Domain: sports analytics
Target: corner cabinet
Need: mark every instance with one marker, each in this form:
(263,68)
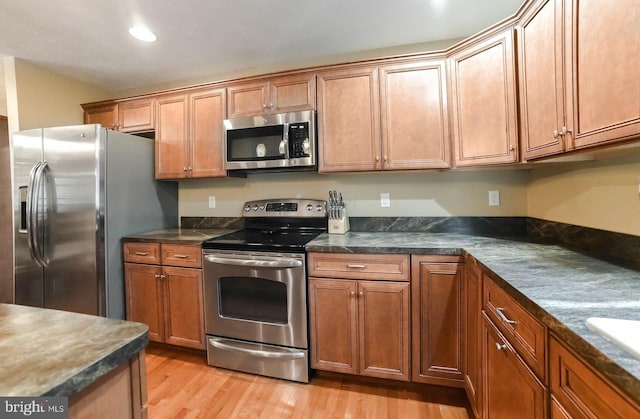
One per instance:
(163,289)
(482,81)
(359,314)
(436,293)
(189,134)
(290,93)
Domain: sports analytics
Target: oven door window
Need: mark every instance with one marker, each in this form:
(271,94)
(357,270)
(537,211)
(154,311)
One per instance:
(253,299)
(259,143)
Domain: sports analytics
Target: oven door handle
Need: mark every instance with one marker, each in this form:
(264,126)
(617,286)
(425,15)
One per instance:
(255,352)
(255,263)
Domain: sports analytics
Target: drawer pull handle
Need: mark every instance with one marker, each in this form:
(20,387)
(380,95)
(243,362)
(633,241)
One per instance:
(356,266)
(500,347)
(142,253)
(503,317)
(180,256)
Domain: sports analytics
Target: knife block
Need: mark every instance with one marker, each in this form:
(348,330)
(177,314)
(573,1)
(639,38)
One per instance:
(339,225)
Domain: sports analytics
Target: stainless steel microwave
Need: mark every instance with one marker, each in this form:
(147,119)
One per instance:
(279,141)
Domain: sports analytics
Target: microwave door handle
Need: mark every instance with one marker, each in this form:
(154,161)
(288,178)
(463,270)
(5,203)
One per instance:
(256,263)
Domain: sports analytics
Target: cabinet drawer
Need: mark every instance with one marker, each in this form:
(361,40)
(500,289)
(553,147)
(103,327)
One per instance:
(524,332)
(148,253)
(186,256)
(581,391)
(385,267)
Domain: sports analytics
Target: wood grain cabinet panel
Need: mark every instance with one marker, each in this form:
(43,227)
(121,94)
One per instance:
(189,134)
(167,297)
(483,102)
(359,326)
(148,253)
(580,392)
(136,115)
(384,267)
(281,94)
(414,116)
(511,390)
(526,334)
(541,78)
(471,329)
(349,120)
(105,114)
(437,324)
(602,75)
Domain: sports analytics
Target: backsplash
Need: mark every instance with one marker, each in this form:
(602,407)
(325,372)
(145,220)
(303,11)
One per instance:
(623,249)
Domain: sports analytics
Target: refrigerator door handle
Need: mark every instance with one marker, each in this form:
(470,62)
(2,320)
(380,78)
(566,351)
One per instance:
(36,248)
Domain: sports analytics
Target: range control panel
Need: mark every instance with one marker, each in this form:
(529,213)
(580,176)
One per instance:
(285,208)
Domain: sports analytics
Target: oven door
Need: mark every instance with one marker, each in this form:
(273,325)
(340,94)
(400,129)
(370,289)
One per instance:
(256,297)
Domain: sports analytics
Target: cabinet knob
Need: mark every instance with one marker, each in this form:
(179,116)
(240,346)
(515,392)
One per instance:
(361,294)
(352,293)
(512,148)
(565,131)
(556,134)
(500,346)
(157,276)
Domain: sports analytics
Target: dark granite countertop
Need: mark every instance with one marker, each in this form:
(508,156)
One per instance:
(561,287)
(184,236)
(58,353)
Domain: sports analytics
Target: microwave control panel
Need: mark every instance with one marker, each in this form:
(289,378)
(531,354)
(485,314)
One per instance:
(299,142)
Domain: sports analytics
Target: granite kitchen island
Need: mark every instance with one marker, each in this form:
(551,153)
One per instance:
(92,360)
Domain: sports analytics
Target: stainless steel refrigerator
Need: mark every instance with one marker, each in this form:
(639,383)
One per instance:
(77,191)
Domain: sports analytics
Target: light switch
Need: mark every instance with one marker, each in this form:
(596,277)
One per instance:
(212,202)
(385,200)
(494,198)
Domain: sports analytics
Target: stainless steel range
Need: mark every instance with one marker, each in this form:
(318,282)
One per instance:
(255,289)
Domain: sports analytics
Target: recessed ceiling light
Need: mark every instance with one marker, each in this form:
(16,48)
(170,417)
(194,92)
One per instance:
(142,33)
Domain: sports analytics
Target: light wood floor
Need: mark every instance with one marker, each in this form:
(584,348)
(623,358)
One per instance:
(182,385)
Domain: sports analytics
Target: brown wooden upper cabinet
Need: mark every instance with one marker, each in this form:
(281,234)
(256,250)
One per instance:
(136,115)
(281,94)
(383,118)
(189,134)
(483,102)
(590,55)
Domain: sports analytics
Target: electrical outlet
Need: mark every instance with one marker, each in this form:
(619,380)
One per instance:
(212,202)
(494,198)
(385,200)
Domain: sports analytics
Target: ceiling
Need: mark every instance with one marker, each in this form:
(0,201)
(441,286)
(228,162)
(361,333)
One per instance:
(208,40)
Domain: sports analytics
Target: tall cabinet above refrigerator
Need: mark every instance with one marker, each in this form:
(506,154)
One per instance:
(77,191)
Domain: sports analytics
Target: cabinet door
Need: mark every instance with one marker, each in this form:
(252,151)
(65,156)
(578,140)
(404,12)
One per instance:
(383,328)
(510,388)
(483,96)
(137,115)
(183,302)
(171,138)
(333,323)
(292,93)
(471,326)
(248,99)
(207,110)
(437,323)
(415,123)
(144,298)
(105,115)
(540,57)
(348,120)
(603,72)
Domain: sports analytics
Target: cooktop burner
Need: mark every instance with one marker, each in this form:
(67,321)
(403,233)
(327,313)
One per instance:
(282,225)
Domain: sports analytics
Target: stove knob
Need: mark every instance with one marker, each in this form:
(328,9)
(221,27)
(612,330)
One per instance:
(319,207)
(309,207)
(254,208)
(247,208)
(261,207)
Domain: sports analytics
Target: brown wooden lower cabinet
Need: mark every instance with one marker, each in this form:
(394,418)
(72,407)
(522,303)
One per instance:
(511,389)
(436,292)
(580,392)
(471,337)
(169,299)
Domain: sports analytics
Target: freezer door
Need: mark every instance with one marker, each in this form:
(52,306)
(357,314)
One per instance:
(72,216)
(27,153)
